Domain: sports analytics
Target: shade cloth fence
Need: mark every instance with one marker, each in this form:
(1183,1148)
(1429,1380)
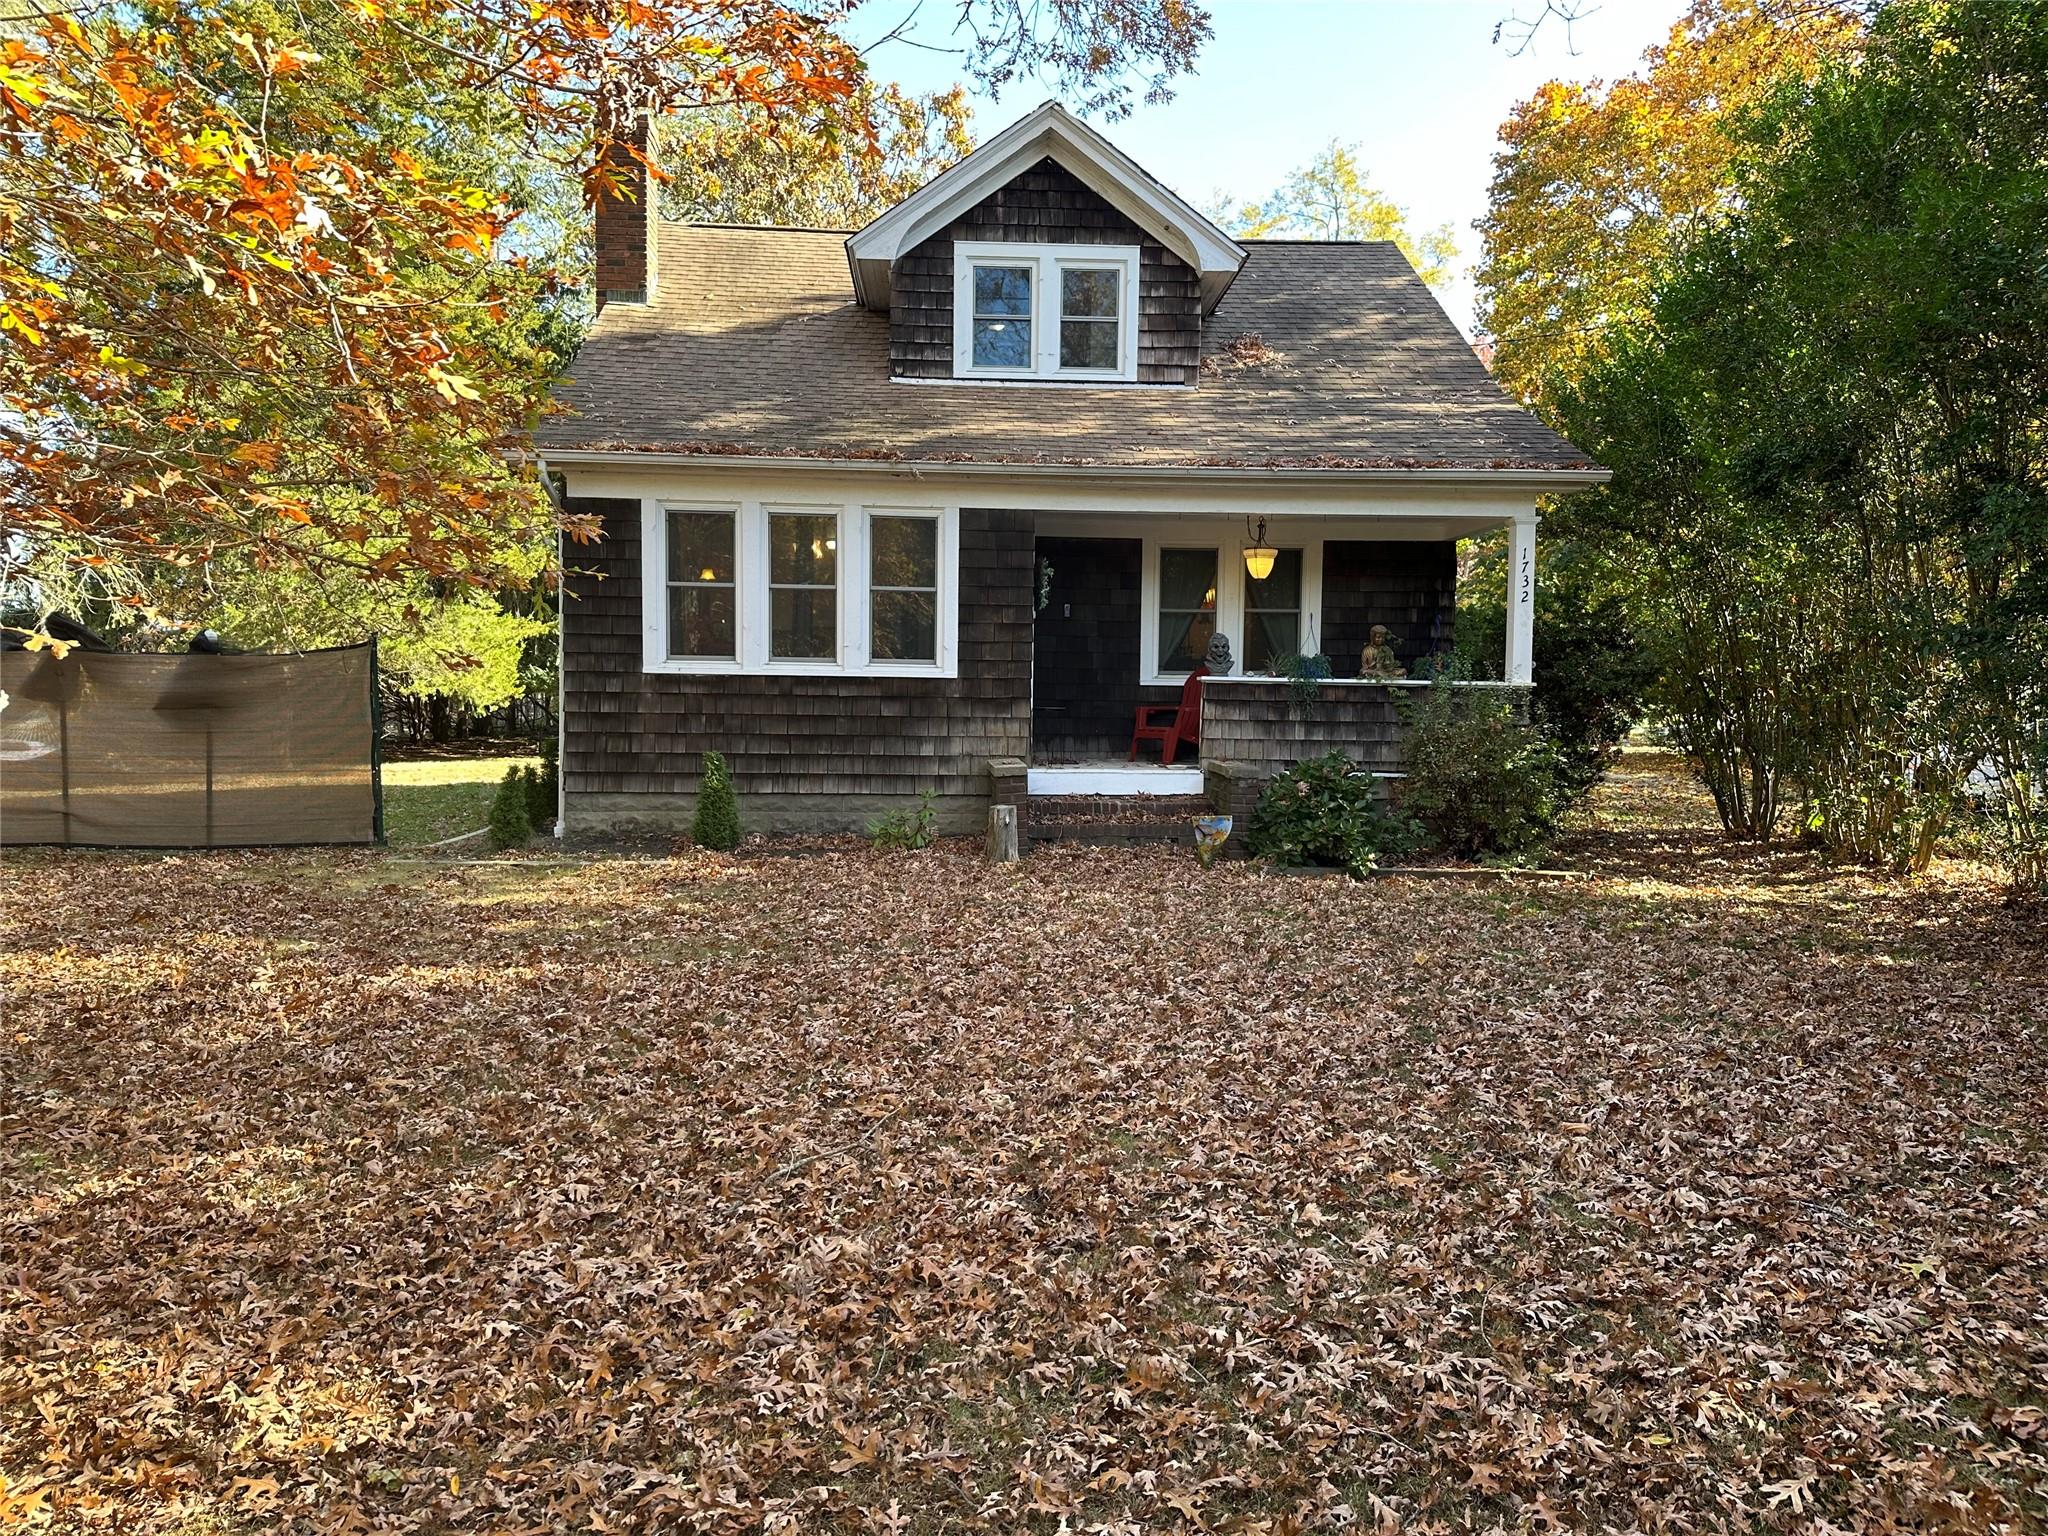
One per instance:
(189,751)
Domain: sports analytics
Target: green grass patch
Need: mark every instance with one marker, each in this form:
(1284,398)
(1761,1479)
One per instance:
(441,797)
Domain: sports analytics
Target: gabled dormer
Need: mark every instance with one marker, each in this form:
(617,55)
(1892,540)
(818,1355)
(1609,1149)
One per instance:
(1045,256)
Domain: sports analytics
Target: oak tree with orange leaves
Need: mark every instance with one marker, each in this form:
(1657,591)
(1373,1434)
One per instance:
(252,312)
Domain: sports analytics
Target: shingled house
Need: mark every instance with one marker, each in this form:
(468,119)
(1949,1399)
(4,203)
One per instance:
(916,507)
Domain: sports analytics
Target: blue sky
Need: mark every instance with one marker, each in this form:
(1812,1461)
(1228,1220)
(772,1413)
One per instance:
(1418,84)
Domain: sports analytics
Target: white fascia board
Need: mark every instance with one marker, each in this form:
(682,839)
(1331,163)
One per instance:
(1098,164)
(1539,480)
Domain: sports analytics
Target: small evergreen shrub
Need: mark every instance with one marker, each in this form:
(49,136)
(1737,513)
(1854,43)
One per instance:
(906,828)
(1481,780)
(509,825)
(540,803)
(717,823)
(1327,812)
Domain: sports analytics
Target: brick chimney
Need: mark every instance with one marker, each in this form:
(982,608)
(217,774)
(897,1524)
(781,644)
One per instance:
(626,248)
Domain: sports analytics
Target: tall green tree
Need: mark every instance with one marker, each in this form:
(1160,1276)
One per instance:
(1331,198)
(1595,185)
(1830,444)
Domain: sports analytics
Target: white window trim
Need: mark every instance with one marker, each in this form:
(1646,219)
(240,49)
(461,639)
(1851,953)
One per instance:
(1231,581)
(654,585)
(948,596)
(1045,263)
(752,604)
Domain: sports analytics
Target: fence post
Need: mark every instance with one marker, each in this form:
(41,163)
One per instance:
(376,750)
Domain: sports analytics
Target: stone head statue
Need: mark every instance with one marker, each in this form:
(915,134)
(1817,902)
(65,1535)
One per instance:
(1218,660)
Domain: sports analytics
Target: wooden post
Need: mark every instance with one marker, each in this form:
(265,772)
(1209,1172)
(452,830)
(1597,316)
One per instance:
(1002,834)
(1521,656)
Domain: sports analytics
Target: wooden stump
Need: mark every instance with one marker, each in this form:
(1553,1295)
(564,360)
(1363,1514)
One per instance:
(1002,834)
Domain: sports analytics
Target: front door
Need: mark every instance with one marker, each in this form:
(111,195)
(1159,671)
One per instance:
(1084,676)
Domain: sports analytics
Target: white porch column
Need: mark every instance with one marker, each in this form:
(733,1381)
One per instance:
(1521,656)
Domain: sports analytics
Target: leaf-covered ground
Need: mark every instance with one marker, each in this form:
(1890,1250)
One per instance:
(871,1192)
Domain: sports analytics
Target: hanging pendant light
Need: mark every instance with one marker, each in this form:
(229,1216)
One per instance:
(1258,555)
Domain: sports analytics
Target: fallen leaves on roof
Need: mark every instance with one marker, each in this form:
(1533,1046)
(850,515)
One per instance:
(695,447)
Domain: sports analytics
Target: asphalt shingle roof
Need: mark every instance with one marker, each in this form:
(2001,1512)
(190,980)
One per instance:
(754,346)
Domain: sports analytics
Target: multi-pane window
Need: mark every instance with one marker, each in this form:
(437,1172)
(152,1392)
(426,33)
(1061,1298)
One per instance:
(1002,317)
(903,587)
(1030,311)
(1272,613)
(1091,327)
(803,585)
(811,588)
(1187,607)
(702,615)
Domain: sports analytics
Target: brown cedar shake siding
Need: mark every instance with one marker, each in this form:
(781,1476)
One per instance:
(821,754)
(1046,204)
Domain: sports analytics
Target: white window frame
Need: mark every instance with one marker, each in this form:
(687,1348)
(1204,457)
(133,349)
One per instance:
(1231,581)
(753,605)
(1045,263)
(657,594)
(941,599)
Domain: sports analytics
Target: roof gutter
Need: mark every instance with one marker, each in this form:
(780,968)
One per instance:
(919,469)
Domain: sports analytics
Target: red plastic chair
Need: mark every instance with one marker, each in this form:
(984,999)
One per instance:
(1172,724)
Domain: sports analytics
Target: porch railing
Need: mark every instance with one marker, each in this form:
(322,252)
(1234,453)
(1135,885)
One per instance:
(1257,721)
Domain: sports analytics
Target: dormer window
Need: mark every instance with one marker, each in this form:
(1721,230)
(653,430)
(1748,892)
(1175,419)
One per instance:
(1045,312)
(1002,317)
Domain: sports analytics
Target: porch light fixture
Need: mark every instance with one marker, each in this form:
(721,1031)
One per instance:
(1258,555)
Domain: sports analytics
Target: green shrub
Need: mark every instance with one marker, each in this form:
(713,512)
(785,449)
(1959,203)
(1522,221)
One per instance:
(509,826)
(717,824)
(1593,672)
(906,828)
(1480,779)
(1327,812)
(540,803)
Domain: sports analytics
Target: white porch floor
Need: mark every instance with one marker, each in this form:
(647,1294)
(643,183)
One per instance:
(1114,778)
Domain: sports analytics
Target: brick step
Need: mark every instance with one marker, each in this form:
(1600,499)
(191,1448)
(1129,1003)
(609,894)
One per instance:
(1113,819)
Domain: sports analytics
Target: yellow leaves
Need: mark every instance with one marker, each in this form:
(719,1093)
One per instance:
(451,386)
(262,455)
(1595,182)
(19,88)
(20,320)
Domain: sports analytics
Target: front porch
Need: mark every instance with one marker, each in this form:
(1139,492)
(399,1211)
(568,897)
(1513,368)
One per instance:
(1128,608)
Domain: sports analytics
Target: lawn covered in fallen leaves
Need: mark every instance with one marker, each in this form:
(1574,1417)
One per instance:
(895,1192)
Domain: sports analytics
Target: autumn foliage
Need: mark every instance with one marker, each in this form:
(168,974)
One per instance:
(1595,184)
(859,1193)
(252,309)
(231,314)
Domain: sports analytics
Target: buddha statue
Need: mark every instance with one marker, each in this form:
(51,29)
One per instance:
(1378,658)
